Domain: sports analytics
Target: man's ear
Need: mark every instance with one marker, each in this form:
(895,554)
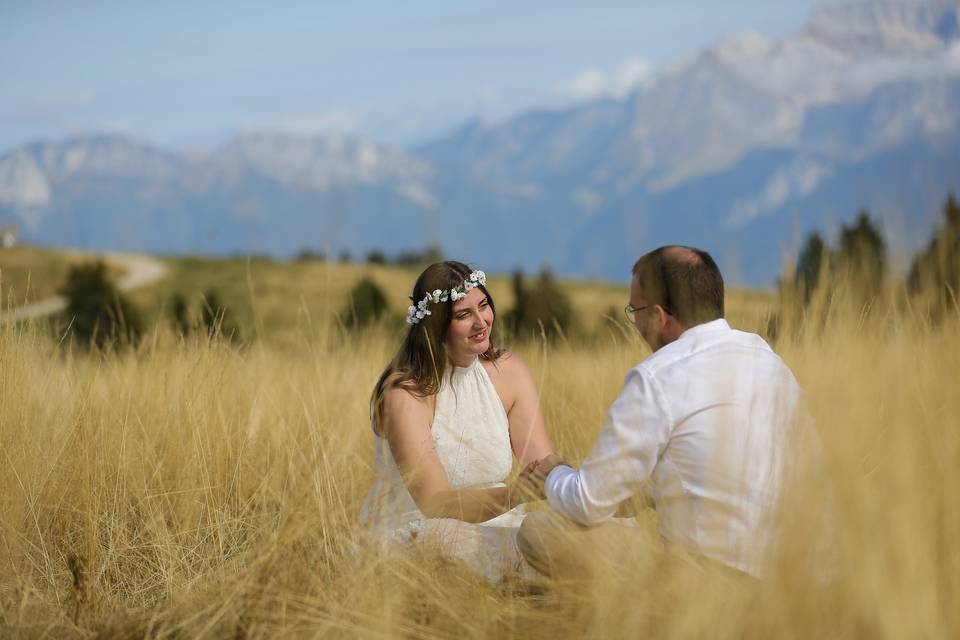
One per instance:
(662,316)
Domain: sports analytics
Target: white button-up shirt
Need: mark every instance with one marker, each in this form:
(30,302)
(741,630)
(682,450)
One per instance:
(702,425)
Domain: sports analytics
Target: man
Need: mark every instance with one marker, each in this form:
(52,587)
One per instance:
(702,426)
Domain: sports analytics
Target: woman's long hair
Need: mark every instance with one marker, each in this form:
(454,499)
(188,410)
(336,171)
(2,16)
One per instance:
(421,360)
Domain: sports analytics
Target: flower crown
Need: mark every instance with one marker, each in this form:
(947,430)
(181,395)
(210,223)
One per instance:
(419,312)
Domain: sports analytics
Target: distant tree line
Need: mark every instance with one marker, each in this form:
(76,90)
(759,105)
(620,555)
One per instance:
(860,257)
(99,317)
(404,258)
(934,277)
(859,265)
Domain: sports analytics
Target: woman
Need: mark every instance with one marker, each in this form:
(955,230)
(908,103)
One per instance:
(450,413)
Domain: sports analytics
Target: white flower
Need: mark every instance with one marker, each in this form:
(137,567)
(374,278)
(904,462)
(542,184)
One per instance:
(420,311)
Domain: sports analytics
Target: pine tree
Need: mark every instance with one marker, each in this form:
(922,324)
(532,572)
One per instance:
(180,314)
(545,307)
(935,272)
(97,314)
(366,305)
(862,255)
(810,264)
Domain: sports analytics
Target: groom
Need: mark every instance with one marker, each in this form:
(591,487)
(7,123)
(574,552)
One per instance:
(701,426)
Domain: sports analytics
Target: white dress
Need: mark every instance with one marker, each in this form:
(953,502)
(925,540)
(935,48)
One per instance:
(472,438)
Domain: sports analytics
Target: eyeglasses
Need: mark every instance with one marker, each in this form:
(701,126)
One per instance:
(631,310)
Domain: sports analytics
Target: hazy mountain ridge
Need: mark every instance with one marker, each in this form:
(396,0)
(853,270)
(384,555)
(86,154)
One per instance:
(742,94)
(737,149)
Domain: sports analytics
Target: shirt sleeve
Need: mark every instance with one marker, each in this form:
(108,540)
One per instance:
(637,429)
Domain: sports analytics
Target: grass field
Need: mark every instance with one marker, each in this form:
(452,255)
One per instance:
(198,489)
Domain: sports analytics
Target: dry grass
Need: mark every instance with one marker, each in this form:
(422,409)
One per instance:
(204,490)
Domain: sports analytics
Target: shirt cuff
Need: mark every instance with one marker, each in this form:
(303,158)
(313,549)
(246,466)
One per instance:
(554,478)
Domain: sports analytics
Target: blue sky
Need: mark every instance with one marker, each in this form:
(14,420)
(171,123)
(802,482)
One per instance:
(189,74)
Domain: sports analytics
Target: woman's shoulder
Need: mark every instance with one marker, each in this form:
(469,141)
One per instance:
(506,364)
(509,375)
(398,390)
(403,404)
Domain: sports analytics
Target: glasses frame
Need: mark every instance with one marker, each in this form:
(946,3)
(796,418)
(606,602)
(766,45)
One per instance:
(631,311)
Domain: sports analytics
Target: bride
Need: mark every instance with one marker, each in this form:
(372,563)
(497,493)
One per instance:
(450,413)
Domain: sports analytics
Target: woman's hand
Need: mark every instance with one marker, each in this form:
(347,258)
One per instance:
(528,487)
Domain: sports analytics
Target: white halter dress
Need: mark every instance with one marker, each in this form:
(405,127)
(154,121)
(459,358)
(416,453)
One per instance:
(472,438)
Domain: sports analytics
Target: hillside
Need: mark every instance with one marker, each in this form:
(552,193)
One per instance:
(282,302)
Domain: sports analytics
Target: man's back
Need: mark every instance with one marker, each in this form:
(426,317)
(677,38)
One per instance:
(702,426)
(731,403)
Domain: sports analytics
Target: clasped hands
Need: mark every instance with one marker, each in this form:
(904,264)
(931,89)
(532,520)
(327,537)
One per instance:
(529,485)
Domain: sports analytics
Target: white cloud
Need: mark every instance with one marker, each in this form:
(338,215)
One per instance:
(588,84)
(596,83)
(587,199)
(795,181)
(418,194)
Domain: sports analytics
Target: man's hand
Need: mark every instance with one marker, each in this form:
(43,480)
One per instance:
(546,464)
(542,469)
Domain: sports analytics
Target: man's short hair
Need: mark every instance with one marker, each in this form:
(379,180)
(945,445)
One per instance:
(685,281)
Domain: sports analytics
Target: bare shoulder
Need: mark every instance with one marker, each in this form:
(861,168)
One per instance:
(405,411)
(508,366)
(403,397)
(510,376)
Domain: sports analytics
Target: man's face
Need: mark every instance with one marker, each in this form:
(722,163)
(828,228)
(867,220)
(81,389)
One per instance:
(647,320)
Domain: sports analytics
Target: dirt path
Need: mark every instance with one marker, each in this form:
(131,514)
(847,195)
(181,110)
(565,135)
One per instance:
(140,270)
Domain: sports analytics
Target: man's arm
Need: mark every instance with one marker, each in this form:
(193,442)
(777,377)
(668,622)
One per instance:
(636,432)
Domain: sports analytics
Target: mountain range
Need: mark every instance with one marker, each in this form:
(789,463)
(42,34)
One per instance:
(739,149)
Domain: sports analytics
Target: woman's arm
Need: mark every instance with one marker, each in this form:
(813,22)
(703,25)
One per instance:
(528,432)
(407,420)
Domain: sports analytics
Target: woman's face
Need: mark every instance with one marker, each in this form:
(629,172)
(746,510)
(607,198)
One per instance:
(469,333)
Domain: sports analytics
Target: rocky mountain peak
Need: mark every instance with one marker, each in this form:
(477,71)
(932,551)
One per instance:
(888,27)
(319,162)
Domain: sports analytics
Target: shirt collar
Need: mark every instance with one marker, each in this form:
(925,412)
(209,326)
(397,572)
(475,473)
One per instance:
(720,324)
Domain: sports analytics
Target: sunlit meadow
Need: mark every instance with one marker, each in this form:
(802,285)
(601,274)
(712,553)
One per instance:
(197,488)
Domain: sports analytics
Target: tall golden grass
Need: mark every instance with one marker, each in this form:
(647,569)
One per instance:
(199,489)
